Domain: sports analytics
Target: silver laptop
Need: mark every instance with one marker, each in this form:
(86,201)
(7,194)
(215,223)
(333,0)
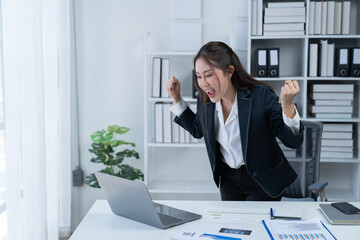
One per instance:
(131,199)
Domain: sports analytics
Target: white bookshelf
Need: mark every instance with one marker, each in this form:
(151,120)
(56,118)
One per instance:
(343,175)
(182,170)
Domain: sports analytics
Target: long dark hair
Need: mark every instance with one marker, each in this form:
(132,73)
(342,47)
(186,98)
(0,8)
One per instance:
(219,55)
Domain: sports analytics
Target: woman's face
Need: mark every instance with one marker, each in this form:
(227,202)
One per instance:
(213,81)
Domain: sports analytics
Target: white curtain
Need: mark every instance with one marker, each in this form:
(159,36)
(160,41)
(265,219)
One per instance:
(37,116)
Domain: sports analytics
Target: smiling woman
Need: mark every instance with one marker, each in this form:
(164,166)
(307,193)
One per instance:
(240,118)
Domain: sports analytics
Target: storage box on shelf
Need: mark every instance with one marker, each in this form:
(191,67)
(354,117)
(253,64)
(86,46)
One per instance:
(342,173)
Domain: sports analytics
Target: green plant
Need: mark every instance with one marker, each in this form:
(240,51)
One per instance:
(104,147)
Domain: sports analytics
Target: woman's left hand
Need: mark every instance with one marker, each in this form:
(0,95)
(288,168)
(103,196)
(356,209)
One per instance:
(288,92)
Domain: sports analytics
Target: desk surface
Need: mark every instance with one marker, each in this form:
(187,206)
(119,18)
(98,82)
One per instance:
(101,223)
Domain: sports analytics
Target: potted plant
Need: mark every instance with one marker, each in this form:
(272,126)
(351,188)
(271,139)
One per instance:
(104,146)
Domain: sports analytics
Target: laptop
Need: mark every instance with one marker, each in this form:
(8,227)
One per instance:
(131,199)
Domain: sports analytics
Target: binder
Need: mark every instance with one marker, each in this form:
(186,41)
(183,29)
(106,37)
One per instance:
(342,62)
(355,62)
(159,135)
(261,62)
(195,92)
(273,63)
(165,76)
(313,60)
(156,77)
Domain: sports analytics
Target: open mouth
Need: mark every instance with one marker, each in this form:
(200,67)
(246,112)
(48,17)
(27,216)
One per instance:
(210,93)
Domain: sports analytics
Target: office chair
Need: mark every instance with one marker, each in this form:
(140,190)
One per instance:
(307,186)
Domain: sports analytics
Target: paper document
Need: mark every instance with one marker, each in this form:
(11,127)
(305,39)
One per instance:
(218,231)
(293,229)
(231,215)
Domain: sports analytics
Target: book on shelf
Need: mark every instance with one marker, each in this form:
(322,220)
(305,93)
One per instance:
(330,59)
(329,17)
(311,17)
(345,28)
(326,154)
(333,102)
(257,17)
(332,96)
(338,127)
(323,57)
(175,130)
(323,17)
(268,27)
(285,4)
(338,149)
(337,18)
(165,76)
(317,18)
(289,11)
(333,115)
(313,60)
(159,123)
(156,77)
(284,19)
(337,135)
(331,109)
(337,143)
(336,88)
(284,33)
(166,123)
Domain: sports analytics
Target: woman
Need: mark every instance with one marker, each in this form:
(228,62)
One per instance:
(239,118)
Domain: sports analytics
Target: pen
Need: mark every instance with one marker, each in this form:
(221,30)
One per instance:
(271,213)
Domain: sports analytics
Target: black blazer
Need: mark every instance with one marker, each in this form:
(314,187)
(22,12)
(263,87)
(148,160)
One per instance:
(260,120)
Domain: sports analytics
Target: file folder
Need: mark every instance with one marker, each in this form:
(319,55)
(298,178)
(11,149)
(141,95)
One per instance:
(355,62)
(195,86)
(342,62)
(273,63)
(261,63)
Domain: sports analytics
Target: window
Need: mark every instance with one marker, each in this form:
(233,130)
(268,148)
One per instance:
(3,216)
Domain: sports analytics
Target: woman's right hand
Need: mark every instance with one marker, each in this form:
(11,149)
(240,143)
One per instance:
(173,88)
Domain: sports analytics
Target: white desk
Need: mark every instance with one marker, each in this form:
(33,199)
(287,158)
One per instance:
(101,224)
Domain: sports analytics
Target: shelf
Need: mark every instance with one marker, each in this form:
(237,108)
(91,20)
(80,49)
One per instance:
(169,145)
(284,78)
(333,79)
(339,160)
(355,120)
(338,195)
(182,187)
(334,36)
(154,53)
(277,37)
(169,100)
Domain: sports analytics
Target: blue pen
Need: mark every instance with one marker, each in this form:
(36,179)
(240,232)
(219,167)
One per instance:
(271,213)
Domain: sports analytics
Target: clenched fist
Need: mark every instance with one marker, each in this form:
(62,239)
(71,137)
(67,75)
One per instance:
(173,88)
(288,92)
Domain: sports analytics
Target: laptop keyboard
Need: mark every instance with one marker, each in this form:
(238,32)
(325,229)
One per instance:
(167,220)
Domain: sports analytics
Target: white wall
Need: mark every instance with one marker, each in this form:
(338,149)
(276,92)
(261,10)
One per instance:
(110,60)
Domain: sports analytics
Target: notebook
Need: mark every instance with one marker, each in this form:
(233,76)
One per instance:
(131,199)
(334,216)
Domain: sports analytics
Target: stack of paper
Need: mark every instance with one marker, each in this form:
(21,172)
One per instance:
(332,100)
(337,140)
(329,17)
(284,19)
